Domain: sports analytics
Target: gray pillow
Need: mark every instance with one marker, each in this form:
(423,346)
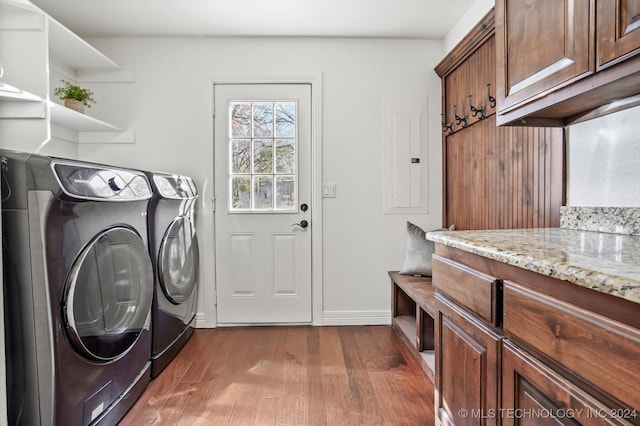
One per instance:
(417,258)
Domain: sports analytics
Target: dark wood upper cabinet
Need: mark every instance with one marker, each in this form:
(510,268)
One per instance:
(618,36)
(541,45)
(564,61)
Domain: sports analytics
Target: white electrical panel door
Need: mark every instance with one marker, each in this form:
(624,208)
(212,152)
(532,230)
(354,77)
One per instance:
(405,156)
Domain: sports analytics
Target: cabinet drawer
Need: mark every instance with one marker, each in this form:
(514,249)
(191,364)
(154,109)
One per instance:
(602,352)
(473,289)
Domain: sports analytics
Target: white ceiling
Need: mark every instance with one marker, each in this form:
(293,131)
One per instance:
(422,19)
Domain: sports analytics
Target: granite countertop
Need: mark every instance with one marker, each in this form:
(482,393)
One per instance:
(609,263)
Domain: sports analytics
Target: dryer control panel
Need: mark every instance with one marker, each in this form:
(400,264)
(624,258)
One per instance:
(88,182)
(175,186)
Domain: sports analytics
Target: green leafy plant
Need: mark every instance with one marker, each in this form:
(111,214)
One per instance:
(73,91)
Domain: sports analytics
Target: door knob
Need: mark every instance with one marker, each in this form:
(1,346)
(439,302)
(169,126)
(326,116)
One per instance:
(302,224)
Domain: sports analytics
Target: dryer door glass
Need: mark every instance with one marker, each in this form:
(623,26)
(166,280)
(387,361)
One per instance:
(108,295)
(178,260)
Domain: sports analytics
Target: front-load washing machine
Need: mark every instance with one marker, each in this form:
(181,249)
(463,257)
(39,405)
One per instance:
(174,251)
(78,287)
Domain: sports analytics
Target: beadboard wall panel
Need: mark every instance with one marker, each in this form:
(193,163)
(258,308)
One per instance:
(493,177)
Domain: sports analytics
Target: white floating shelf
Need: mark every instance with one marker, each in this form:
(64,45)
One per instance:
(19,109)
(16,103)
(70,49)
(68,55)
(72,126)
(66,117)
(9,92)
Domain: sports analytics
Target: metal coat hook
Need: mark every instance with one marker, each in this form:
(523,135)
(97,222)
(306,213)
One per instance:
(464,120)
(492,100)
(446,126)
(475,111)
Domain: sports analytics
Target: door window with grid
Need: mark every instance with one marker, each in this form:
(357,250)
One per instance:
(262,156)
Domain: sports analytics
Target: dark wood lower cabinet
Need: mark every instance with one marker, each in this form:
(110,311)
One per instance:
(553,355)
(467,367)
(535,394)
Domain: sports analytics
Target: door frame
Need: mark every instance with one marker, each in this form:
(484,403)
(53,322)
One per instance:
(315,80)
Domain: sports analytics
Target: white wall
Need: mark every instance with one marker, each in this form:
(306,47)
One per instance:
(169,108)
(603,159)
(467,21)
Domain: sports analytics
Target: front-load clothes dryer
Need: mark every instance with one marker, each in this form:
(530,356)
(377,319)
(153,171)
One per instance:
(78,287)
(174,250)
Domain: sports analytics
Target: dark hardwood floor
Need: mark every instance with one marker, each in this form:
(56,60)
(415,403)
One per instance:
(361,375)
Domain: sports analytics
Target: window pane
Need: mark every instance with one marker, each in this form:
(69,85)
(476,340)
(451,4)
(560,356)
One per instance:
(263,156)
(240,192)
(285,193)
(263,192)
(262,120)
(285,119)
(240,120)
(241,156)
(285,156)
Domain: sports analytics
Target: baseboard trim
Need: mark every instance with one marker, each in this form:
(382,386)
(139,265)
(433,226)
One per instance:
(328,318)
(356,317)
(200,321)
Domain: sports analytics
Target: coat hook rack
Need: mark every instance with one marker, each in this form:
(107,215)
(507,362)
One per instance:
(446,126)
(492,100)
(464,120)
(475,111)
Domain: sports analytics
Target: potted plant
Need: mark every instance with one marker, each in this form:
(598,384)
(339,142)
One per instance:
(74,96)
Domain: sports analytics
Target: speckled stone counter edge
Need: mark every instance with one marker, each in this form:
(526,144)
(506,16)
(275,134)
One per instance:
(615,220)
(532,252)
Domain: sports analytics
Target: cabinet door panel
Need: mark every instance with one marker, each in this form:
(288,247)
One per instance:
(460,385)
(467,366)
(541,45)
(531,388)
(618,23)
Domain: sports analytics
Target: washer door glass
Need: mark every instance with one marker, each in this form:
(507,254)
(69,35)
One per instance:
(178,260)
(108,295)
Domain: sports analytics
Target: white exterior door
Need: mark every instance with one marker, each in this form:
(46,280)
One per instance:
(263,203)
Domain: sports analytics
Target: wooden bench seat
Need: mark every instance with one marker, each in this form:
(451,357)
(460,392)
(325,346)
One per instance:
(413,311)
(419,289)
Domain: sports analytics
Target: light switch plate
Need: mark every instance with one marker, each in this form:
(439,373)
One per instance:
(329,190)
